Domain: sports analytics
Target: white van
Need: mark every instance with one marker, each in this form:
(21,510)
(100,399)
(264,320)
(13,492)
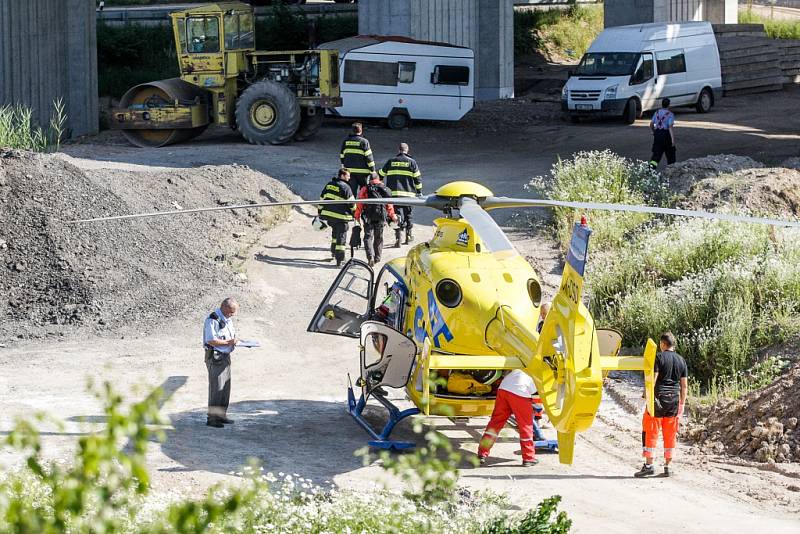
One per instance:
(400,79)
(629,69)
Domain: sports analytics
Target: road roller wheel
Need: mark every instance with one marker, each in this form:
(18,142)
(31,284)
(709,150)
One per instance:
(267,112)
(309,124)
(151,94)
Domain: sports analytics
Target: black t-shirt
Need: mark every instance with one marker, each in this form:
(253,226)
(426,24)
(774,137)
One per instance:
(671,367)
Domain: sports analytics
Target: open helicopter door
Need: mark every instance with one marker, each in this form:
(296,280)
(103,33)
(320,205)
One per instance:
(387,357)
(347,303)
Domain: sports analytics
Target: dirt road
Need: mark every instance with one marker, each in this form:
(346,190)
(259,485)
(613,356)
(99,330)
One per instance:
(288,395)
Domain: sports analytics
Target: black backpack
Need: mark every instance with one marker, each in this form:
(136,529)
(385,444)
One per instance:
(375,213)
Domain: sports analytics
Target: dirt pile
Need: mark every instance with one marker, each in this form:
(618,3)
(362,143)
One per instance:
(764,191)
(762,425)
(56,276)
(685,174)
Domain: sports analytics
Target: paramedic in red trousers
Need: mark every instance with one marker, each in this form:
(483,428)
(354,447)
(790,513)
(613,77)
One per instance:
(663,127)
(670,398)
(373,217)
(356,157)
(338,216)
(404,179)
(514,396)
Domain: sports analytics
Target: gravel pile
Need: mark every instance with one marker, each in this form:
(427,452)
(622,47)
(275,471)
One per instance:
(683,175)
(773,191)
(762,425)
(55,277)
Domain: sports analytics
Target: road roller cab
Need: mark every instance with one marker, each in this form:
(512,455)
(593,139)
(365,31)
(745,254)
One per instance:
(269,96)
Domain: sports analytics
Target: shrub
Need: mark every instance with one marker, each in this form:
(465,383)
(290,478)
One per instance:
(105,490)
(566,32)
(18,129)
(777,29)
(725,290)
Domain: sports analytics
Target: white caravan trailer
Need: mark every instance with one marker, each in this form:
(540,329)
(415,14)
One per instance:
(629,69)
(402,79)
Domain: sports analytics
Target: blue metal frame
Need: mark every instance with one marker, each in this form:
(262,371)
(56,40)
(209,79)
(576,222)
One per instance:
(379,441)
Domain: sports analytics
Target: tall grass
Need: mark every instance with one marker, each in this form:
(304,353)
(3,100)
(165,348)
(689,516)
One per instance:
(18,128)
(775,28)
(565,32)
(726,290)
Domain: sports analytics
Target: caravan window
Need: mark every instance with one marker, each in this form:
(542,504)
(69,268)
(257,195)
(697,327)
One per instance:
(407,71)
(370,72)
(450,75)
(671,62)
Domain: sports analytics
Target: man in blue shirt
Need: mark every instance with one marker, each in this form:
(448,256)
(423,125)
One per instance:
(663,127)
(219,340)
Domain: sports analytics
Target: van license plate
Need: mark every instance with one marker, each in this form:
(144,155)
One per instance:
(584,106)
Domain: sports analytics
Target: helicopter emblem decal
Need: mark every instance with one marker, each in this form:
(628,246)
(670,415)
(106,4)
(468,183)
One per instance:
(438,325)
(463,239)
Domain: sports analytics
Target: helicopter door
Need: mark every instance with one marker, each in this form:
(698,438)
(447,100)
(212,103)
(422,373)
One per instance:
(387,356)
(347,303)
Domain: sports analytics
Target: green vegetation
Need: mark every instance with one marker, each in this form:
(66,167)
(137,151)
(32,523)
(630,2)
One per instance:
(775,28)
(561,32)
(105,489)
(725,290)
(133,54)
(18,129)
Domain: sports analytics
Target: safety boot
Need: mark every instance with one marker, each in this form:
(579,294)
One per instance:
(397,239)
(645,471)
(530,463)
(409,237)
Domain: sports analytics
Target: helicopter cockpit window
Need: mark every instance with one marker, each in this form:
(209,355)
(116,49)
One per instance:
(389,300)
(347,303)
(239,32)
(203,34)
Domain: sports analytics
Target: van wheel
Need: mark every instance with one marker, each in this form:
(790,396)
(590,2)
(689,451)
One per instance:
(631,111)
(398,120)
(704,101)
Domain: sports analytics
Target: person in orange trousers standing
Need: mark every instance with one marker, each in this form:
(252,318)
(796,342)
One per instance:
(670,397)
(514,396)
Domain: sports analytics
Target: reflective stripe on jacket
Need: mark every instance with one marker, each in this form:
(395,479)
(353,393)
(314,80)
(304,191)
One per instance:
(356,155)
(402,176)
(337,189)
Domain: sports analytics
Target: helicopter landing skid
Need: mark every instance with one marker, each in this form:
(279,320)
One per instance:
(380,441)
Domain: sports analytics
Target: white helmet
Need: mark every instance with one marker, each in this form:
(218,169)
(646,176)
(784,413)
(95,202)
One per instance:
(318,224)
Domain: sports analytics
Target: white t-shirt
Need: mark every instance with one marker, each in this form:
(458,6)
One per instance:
(519,383)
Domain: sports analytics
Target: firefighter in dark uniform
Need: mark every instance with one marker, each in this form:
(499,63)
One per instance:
(338,216)
(356,157)
(403,179)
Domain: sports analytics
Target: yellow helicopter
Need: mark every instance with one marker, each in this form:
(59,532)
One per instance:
(462,308)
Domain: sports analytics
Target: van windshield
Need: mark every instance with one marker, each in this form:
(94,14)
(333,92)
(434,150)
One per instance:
(607,64)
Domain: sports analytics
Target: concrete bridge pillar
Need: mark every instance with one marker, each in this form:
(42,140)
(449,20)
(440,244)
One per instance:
(623,12)
(48,50)
(486,26)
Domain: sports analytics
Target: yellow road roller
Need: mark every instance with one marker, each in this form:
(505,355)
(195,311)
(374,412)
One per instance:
(269,97)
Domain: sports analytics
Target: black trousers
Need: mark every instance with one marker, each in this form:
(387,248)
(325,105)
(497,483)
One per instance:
(219,384)
(405,219)
(358,180)
(373,240)
(338,239)
(662,144)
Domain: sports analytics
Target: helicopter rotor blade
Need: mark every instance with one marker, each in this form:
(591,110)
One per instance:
(505,202)
(395,201)
(491,235)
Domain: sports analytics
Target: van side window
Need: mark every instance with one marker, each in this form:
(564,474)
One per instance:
(370,72)
(644,71)
(407,71)
(450,75)
(670,62)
